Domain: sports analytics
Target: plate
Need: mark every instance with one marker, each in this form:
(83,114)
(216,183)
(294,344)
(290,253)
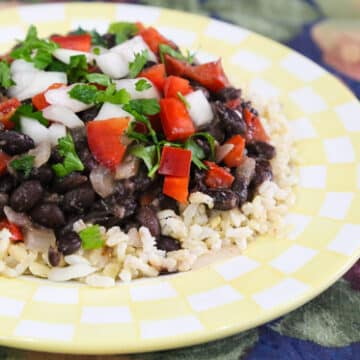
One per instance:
(273,276)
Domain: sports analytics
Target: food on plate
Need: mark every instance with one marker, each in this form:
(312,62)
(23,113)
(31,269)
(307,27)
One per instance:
(122,157)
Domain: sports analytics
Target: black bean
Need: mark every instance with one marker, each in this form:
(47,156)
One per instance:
(146,216)
(87,159)
(204,144)
(149,63)
(223,199)
(69,182)
(109,40)
(26,196)
(168,243)
(54,256)
(102,218)
(2,126)
(68,242)
(243,176)
(263,172)
(44,174)
(141,180)
(215,128)
(48,215)
(79,137)
(4,199)
(15,143)
(53,198)
(228,93)
(197,179)
(7,183)
(126,208)
(231,120)
(55,156)
(166,202)
(89,114)
(261,149)
(78,200)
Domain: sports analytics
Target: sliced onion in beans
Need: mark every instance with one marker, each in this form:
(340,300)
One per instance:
(102,181)
(64,55)
(62,115)
(31,127)
(109,111)
(16,218)
(56,131)
(129,86)
(42,153)
(39,239)
(222,151)
(113,64)
(128,168)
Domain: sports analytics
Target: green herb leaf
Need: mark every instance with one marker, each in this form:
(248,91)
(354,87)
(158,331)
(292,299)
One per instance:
(72,162)
(35,50)
(24,163)
(27,110)
(123,30)
(166,49)
(5,75)
(147,153)
(96,38)
(197,153)
(57,65)
(100,79)
(77,69)
(142,85)
(118,97)
(210,139)
(145,106)
(138,64)
(96,51)
(91,238)
(133,134)
(84,93)
(183,99)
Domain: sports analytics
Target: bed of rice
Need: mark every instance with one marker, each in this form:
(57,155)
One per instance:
(200,230)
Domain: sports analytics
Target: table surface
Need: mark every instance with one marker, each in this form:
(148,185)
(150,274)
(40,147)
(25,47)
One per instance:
(328,32)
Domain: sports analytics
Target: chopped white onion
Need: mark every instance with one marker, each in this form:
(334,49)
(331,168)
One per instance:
(56,131)
(39,238)
(21,65)
(129,48)
(64,55)
(102,181)
(31,127)
(222,151)
(42,153)
(19,219)
(199,108)
(129,167)
(129,86)
(62,115)
(109,111)
(61,97)
(113,64)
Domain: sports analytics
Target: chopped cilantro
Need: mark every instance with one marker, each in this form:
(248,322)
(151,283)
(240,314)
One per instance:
(144,106)
(84,93)
(91,237)
(166,49)
(77,69)
(123,31)
(149,155)
(183,99)
(138,64)
(100,79)
(27,110)
(5,75)
(142,85)
(24,164)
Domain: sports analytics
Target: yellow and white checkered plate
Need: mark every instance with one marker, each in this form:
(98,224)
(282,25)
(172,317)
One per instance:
(273,276)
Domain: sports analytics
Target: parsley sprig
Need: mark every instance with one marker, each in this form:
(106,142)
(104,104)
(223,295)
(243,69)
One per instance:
(138,64)
(167,49)
(123,31)
(5,75)
(24,164)
(27,110)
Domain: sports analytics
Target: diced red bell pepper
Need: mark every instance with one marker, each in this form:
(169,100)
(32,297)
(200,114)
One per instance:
(16,234)
(4,159)
(140,26)
(235,156)
(7,110)
(156,74)
(39,100)
(175,119)
(81,42)
(153,39)
(255,130)
(174,85)
(177,188)
(217,177)
(211,75)
(104,139)
(175,162)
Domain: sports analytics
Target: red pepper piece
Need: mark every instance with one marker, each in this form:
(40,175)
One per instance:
(104,139)
(156,74)
(174,85)
(81,42)
(16,234)
(39,100)
(235,157)
(7,110)
(4,159)
(175,119)
(211,75)
(176,188)
(153,39)
(255,130)
(175,162)
(217,177)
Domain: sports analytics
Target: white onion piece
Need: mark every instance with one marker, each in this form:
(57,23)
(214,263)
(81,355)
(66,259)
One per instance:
(70,272)
(127,168)
(56,131)
(62,115)
(39,239)
(109,111)
(31,127)
(61,97)
(222,151)
(102,181)
(113,64)
(129,86)
(42,153)
(64,55)
(19,219)
(129,48)
(199,108)
(21,65)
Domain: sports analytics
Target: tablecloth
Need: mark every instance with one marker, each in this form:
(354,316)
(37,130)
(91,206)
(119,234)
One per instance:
(328,32)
